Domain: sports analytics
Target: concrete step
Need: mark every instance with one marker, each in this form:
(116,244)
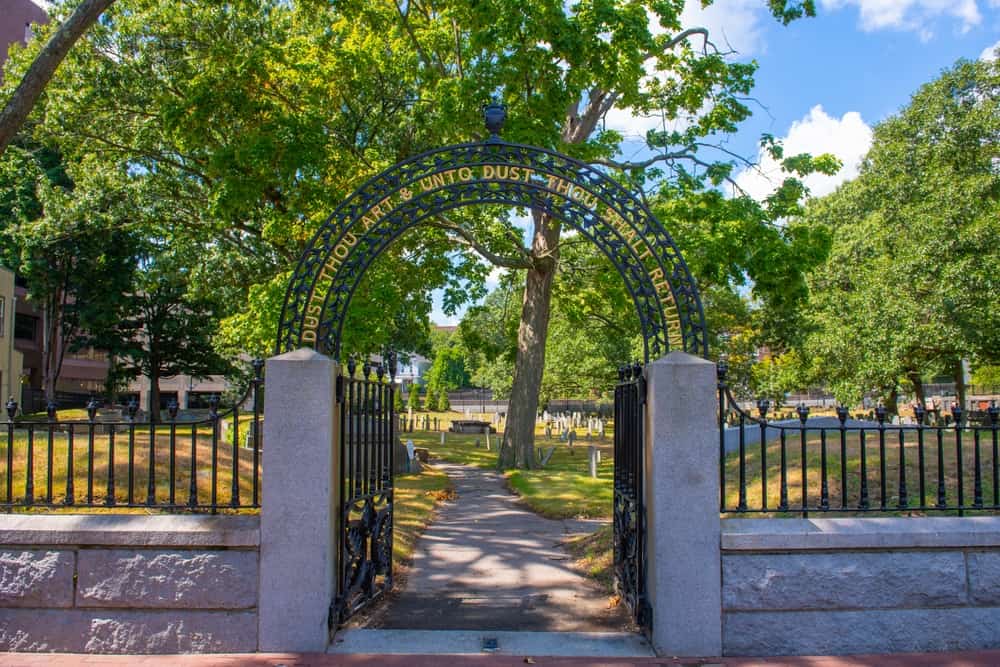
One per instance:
(473,642)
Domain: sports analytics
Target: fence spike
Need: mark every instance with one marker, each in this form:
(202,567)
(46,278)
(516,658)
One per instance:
(842,413)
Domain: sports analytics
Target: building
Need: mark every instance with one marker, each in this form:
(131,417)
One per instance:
(15,23)
(11,360)
(190,393)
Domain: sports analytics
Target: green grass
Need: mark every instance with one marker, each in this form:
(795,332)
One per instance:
(563,489)
(593,556)
(143,445)
(755,487)
(416,496)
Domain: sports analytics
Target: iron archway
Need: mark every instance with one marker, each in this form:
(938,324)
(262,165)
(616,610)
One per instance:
(493,172)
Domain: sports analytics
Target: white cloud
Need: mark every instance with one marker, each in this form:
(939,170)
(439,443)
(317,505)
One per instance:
(911,15)
(736,23)
(989,54)
(848,137)
(493,280)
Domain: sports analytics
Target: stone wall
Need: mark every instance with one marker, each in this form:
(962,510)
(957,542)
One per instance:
(870,585)
(128,583)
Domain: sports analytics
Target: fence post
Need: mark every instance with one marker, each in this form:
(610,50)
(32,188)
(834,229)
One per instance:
(684,581)
(299,507)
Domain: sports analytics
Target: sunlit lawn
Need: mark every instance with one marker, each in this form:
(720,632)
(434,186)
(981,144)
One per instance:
(594,556)
(911,469)
(189,453)
(562,489)
(416,495)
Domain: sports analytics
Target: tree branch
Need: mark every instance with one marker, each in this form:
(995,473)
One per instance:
(404,19)
(681,36)
(467,239)
(44,66)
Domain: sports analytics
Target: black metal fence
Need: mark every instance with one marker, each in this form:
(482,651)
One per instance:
(837,463)
(202,465)
(365,524)
(628,508)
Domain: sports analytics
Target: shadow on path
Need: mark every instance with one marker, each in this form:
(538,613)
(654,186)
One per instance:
(486,563)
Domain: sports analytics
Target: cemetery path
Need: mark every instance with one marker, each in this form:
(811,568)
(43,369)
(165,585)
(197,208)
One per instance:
(487,563)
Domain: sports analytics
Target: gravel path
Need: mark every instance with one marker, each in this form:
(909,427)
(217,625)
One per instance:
(487,563)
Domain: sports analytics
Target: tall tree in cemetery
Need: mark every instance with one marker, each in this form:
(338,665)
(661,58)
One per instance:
(162,328)
(910,287)
(68,237)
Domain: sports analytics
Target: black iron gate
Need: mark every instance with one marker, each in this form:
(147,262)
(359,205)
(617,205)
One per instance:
(629,509)
(364,526)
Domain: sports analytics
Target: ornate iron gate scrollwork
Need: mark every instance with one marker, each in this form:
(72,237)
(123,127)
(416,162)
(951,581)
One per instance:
(365,522)
(629,508)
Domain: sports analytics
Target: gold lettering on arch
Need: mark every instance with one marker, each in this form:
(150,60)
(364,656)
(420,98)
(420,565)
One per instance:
(493,173)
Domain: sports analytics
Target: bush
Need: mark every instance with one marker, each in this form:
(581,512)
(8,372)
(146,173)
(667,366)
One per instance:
(413,400)
(442,403)
(430,399)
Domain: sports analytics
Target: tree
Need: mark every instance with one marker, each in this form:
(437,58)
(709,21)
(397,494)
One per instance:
(238,137)
(908,289)
(68,236)
(162,329)
(44,65)
(398,405)
(447,371)
(443,405)
(413,398)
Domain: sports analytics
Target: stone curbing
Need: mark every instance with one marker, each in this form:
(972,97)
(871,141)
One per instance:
(128,583)
(837,586)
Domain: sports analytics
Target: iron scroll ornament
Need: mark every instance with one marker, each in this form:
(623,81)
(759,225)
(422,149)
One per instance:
(493,172)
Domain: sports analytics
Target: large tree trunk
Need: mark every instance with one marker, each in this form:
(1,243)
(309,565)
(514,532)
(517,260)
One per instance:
(154,393)
(53,343)
(918,387)
(518,447)
(44,66)
(959,375)
(892,401)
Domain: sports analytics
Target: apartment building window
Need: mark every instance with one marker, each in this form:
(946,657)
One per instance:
(25,327)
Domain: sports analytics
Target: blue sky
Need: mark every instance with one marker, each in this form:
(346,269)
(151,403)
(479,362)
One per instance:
(823,82)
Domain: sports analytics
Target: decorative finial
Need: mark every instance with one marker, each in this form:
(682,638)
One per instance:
(494,114)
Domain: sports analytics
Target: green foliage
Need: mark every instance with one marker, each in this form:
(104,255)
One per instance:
(987,376)
(397,401)
(447,372)
(160,328)
(909,288)
(443,404)
(776,376)
(413,397)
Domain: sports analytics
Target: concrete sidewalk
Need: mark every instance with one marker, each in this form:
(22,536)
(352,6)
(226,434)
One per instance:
(963,659)
(487,563)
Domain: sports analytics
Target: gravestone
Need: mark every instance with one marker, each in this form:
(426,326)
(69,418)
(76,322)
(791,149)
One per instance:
(548,432)
(442,437)
(595,458)
(571,440)
(413,465)
(547,456)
